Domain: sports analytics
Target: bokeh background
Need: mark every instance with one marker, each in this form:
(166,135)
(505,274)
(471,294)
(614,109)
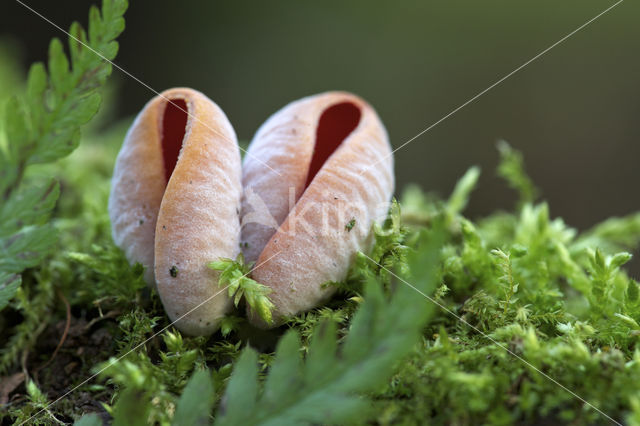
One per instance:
(574,113)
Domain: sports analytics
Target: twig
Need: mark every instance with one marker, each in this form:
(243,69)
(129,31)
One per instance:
(64,333)
(111,314)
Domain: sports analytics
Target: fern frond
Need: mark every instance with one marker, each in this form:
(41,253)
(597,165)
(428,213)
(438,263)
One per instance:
(44,125)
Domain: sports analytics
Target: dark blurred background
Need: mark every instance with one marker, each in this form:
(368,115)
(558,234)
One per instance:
(574,112)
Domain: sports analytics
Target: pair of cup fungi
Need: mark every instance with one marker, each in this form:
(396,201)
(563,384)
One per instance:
(322,168)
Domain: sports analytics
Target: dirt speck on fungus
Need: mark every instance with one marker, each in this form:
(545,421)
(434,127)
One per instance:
(349,226)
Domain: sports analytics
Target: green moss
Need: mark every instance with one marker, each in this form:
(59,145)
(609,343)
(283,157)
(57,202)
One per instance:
(349,226)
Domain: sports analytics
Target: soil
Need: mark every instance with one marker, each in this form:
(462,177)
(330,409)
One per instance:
(85,344)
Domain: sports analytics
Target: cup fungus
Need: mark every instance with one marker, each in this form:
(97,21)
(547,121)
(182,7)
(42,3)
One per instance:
(174,203)
(323,168)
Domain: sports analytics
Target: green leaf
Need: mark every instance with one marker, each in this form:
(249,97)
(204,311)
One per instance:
(76,42)
(132,409)
(322,353)
(9,284)
(36,87)
(58,70)
(285,370)
(89,420)
(196,401)
(95,23)
(29,206)
(239,400)
(26,248)
(18,135)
